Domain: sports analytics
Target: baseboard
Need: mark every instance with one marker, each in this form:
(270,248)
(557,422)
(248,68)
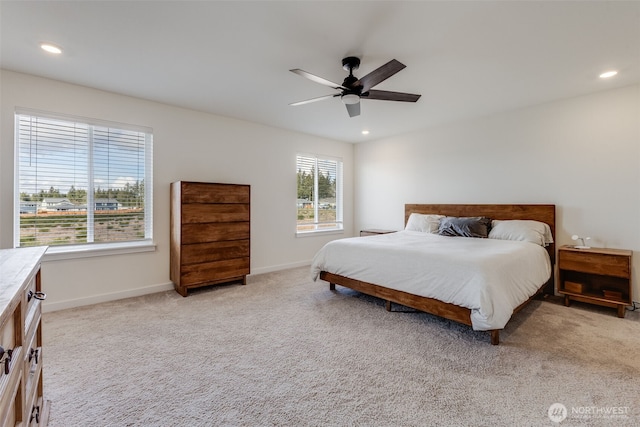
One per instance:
(95,299)
(273,268)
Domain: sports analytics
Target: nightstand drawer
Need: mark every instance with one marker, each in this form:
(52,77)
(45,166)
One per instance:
(592,263)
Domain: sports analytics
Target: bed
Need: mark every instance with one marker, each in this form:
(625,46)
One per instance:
(386,271)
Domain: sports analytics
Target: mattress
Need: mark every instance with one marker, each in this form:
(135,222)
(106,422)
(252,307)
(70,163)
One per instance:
(490,277)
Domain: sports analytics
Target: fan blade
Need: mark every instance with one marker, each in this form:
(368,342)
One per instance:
(320,98)
(380,74)
(386,95)
(317,79)
(353,109)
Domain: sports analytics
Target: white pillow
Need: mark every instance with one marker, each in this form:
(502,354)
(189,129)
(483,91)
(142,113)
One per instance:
(423,223)
(522,229)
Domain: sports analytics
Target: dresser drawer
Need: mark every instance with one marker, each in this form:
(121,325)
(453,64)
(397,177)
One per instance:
(8,405)
(33,371)
(211,272)
(208,212)
(594,263)
(198,253)
(9,330)
(10,339)
(33,363)
(33,297)
(201,233)
(29,292)
(32,324)
(8,415)
(196,192)
(10,387)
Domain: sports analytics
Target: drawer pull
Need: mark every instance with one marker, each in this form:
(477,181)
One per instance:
(7,359)
(37,295)
(33,353)
(35,413)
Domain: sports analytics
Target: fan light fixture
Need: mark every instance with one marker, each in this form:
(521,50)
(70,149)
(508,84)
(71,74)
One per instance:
(582,239)
(350,98)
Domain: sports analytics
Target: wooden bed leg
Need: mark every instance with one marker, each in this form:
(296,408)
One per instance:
(495,337)
(332,286)
(388,305)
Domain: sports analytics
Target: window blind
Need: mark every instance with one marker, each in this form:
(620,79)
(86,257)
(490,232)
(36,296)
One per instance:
(81,183)
(319,203)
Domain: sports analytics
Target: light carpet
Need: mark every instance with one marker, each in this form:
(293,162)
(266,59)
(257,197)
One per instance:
(286,351)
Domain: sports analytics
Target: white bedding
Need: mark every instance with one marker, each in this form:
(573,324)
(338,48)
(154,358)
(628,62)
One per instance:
(491,277)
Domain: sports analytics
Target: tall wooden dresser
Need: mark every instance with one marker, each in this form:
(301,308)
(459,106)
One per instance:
(210,232)
(21,398)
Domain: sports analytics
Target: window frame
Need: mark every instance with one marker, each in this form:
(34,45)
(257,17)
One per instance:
(89,249)
(339,229)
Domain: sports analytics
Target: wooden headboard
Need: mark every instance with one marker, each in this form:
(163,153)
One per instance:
(542,213)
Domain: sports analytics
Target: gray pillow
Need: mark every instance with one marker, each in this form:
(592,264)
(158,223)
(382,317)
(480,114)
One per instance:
(477,226)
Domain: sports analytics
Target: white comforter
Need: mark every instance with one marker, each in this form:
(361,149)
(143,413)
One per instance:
(491,277)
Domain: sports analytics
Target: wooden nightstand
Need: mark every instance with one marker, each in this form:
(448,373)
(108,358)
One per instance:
(596,275)
(374,231)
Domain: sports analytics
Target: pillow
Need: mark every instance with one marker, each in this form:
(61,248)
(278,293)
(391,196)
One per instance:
(476,226)
(423,223)
(522,229)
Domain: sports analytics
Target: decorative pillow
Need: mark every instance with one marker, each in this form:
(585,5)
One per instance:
(477,226)
(423,223)
(522,229)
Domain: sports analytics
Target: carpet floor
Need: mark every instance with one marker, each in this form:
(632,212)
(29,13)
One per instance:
(286,351)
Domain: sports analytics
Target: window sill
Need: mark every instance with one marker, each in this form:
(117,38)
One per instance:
(319,232)
(57,253)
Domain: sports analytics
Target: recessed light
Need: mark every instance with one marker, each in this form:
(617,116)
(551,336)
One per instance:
(51,48)
(365,132)
(608,74)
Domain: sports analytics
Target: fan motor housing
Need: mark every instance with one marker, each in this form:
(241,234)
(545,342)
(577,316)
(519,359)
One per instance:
(350,81)
(351,63)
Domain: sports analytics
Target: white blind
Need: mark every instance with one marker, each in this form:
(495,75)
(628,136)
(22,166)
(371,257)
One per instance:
(81,183)
(319,182)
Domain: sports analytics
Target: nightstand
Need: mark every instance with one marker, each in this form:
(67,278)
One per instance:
(374,231)
(596,275)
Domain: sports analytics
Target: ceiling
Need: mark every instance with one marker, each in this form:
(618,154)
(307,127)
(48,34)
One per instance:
(467,59)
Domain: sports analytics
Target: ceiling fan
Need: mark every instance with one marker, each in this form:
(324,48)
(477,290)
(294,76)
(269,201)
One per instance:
(354,89)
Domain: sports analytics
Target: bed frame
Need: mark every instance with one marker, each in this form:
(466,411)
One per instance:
(543,213)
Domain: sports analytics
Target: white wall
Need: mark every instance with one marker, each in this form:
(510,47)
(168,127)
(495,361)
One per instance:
(188,145)
(582,154)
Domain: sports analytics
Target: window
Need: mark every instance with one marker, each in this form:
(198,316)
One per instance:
(319,194)
(81,182)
